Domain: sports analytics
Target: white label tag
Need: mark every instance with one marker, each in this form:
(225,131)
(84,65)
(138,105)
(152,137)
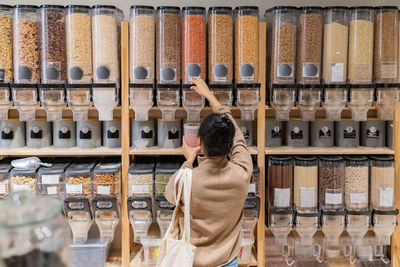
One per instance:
(337,72)
(17,187)
(51,179)
(307,197)
(73,188)
(52,190)
(333,199)
(140,189)
(386,197)
(252,188)
(282,197)
(2,188)
(103,190)
(358,198)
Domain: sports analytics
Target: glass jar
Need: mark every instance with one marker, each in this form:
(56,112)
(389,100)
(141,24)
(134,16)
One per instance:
(107,178)
(78,178)
(34,232)
(361,98)
(387,97)
(168,45)
(23,180)
(52,44)
(51,180)
(220,45)
(361,45)
(141,40)
(194,53)
(26,44)
(79,43)
(309,48)
(383,182)
(283,59)
(246,44)
(280,182)
(5,168)
(356,190)
(305,188)
(386,47)
(6,66)
(335,45)
(105,44)
(331,183)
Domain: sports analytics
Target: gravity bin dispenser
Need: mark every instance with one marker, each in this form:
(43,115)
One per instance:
(5,100)
(282,98)
(251,212)
(52,98)
(306,226)
(79,217)
(141,100)
(192,102)
(334,100)
(387,97)
(168,100)
(140,216)
(25,98)
(247,97)
(357,225)
(309,99)
(79,100)
(105,99)
(333,225)
(164,212)
(106,216)
(223,93)
(360,100)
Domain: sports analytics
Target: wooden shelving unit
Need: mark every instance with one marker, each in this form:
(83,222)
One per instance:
(284,150)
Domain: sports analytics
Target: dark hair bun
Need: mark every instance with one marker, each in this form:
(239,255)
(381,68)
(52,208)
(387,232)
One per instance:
(222,122)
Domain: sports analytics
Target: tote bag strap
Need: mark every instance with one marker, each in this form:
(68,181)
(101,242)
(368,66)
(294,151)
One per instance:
(187,196)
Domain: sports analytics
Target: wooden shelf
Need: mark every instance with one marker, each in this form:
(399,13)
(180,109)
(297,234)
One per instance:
(169,151)
(285,150)
(52,151)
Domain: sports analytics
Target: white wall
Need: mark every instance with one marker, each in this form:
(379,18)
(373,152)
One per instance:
(262,4)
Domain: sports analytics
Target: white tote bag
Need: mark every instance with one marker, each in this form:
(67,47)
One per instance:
(175,252)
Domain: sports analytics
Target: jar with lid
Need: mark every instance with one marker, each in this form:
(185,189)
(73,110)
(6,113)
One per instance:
(29,238)
(6,66)
(373,133)
(52,44)
(5,168)
(79,44)
(194,54)
(386,46)
(25,44)
(387,97)
(309,47)
(383,182)
(347,133)
(23,180)
(335,99)
(168,44)
(88,134)
(12,134)
(107,178)
(78,178)
(331,182)
(283,99)
(51,180)
(336,20)
(112,134)
(297,133)
(220,45)
(105,43)
(284,32)
(143,134)
(361,45)
(280,182)
(38,134)
(322,133)
(246,44)
(356,182)
(305,188)
(64,134)
(360,100)
(141,39)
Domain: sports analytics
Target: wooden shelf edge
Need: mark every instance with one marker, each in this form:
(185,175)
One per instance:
(284,150)
(52,151)
(170,151)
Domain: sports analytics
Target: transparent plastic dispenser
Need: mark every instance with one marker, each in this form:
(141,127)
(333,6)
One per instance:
(332,225)
(193,103)
(335,99)
(106,216)
(248,96)
(79,217)
(141,100)
(357,226)
(309,99)
(387,97)
(168,100)
(223,93)
(140,216)
(25,98)
(384,224)
(283,98)
(164,211)
(281,223)
(52,100)
(105,99)
(360,101)
(79,100)
(306,227)
(5,101)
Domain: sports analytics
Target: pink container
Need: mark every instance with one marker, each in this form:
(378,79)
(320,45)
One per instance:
(190,133)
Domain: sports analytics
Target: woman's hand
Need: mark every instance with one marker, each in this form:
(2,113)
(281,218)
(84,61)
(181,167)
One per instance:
(200,86)
(190,153)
